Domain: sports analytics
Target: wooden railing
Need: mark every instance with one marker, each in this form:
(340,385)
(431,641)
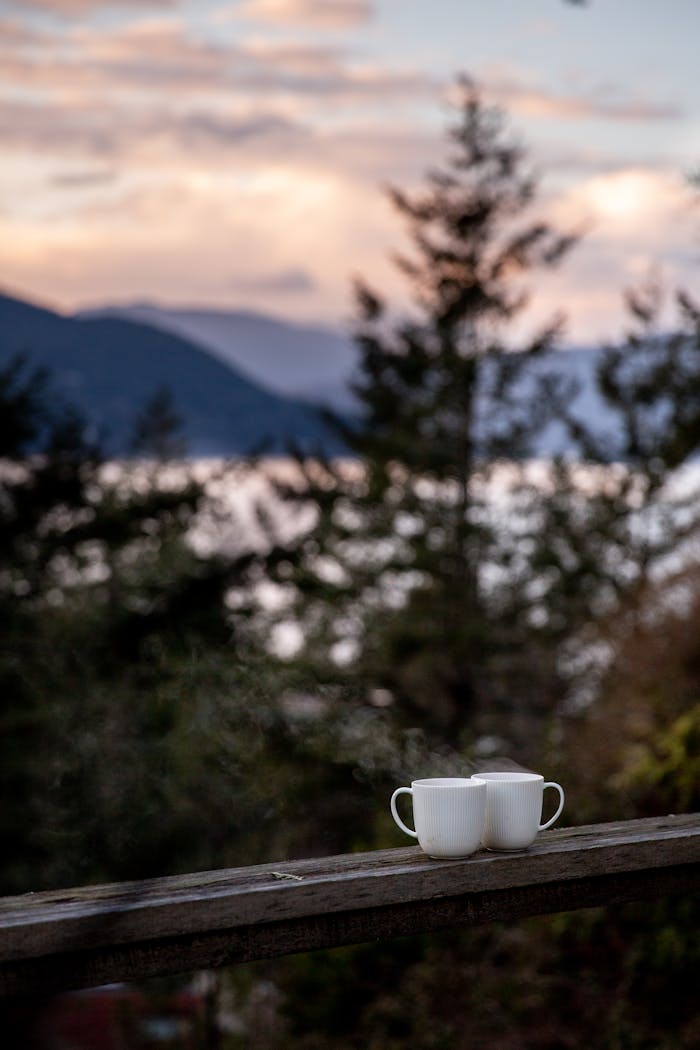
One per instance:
(126,931)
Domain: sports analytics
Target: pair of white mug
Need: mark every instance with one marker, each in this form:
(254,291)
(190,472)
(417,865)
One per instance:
(454,815)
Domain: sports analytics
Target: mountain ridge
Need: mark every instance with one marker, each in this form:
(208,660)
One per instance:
(108,368)
(291,358)
(323,369)
(252,383)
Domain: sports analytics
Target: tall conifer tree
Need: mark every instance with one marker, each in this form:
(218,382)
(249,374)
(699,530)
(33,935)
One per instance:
(405,589)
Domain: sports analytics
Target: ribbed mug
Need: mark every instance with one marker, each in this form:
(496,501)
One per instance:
(448,813)
(514,808)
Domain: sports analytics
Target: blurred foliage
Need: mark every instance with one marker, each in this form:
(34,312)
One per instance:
(609,978)
(667,768)
(137,707)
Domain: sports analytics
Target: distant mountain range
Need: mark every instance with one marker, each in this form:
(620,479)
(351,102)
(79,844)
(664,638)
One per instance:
(295,360)
(316,362)
(109,367)
(240,381)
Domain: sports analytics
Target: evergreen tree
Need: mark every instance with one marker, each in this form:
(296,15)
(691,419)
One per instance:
(105,609)
(143,730)
(407,589)
(158,428)
(625,512)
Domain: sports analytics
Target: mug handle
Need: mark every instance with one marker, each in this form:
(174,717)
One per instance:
(397,818)
(551,784)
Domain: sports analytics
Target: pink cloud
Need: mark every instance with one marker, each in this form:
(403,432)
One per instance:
(317,14)
(75,8)
(513,91)
(159,55)
(13,34)
(292,280)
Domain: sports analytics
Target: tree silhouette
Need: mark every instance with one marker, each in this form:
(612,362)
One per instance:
(625,512)
(105,611)
(406,586)
(158,428)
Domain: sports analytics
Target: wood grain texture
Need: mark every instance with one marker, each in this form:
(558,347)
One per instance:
(96,934)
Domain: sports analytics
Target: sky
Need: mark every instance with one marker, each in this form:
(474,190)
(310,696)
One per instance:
(236,155)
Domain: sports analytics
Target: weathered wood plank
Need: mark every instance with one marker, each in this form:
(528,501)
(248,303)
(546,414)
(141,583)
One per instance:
(92,935)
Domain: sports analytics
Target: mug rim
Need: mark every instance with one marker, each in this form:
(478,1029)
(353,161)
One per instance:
(508,777)
(442,783)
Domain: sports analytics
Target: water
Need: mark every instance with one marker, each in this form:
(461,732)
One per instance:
(245,513)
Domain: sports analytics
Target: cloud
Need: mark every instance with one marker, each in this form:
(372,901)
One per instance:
(313,14)
(586,160)
(158,56)
(150,53)
(82,179)
(637,223)
(296,56)
(602,102)
(58,128)
(14,34)
(158,143)
(157,157)
(634,204)
(293,233)
(202,127)
(76,8)
(157,134)
(292,279)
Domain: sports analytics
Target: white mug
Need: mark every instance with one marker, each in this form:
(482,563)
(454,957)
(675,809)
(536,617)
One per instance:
(448,813)
(514,808)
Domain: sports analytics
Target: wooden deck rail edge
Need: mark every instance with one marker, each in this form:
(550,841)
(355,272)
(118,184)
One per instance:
(126,931)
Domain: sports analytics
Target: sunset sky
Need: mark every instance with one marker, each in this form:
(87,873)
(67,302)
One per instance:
(200,152)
